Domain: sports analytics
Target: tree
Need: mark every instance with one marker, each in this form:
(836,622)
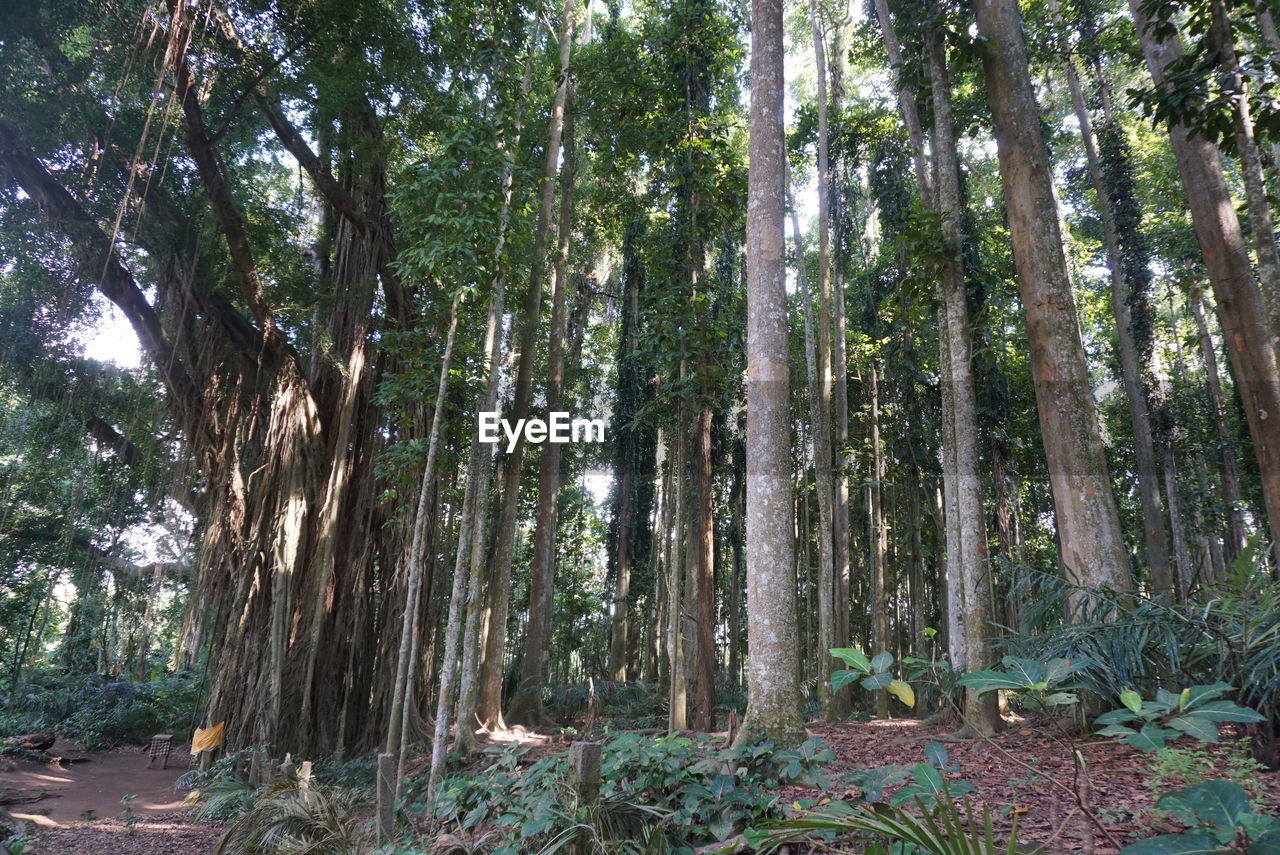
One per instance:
(773,682)
(1088,525)
(1226,258)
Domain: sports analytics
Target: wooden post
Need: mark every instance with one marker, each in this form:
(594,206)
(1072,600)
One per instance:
(584,770)
(386,797)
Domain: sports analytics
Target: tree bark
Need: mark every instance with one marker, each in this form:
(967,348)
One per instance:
(1089,534)
(773,685)
(1240,305)
(1131,369)
(981,714)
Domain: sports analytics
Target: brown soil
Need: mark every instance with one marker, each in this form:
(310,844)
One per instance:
(80,812)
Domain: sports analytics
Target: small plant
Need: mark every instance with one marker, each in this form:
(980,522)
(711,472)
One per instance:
(1221,819)
(296,817)
(942,829)
(129,814)
(1046,684)
(928,787)
(871,674)
(1178,766)
(1148,724)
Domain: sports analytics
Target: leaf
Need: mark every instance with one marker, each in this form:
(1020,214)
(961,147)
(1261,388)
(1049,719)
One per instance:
(1216,802)
(1195,727)
(1132,701)
(988,681)
(840,679)
(1195,696)
(853,657)
(876,681)
(927,777)
(1058,699)
(935,754)
(902,691)
(1227,711)
(1150,738)
(1114,717)
(1197,842)
(882,661)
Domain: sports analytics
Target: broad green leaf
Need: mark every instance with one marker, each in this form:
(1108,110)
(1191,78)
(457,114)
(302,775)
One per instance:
(1217,802)
(1114,717)
(877,681)
(1227,711)
(1196,727)
(1058,670)
(840,679)
(853,657)
(927,777)
(989,681)
(882,661)
(1197,842)
(1196,696)
(935,754)
(1150,738)
(1132,701)
(902,691)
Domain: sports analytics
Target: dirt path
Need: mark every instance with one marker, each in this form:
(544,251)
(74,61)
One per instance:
(82,814)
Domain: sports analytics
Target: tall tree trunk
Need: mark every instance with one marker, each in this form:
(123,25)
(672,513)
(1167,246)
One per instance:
(1226,445)
(1250,158)
(822,457)
(879,535)
(489,701)
(1092,545)
(844,462)
(1131,369)
(1240,305)
(677,697)
(505,533)
(981,714)
(773,684)
(526,707)
(401,703)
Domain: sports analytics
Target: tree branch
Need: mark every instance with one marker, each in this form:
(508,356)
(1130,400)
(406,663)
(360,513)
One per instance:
(98,262)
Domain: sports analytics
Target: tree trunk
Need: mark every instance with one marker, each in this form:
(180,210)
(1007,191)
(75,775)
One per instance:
(773,685)
(1240,305)
(1090,538)
(401,703)
(1132,370)
(822,459)
(981,714)
(1250,159)
(505,533)
(1236,537)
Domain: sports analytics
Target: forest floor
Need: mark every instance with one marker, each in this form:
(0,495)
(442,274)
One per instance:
(81,813)
(79,810)
(1124,786)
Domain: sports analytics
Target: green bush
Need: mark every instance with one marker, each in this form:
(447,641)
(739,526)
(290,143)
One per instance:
(99,711)
(658,794)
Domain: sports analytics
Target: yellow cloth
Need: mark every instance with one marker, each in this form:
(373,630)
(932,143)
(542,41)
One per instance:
(207,738)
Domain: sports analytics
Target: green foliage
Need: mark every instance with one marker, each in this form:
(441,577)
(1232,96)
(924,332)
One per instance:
(1047,683)
(1148,724)
(298,817)
(942,828)
(666,792)
(928,788)
(871,674)
(1220,819)
(1185,765)
(96,711)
